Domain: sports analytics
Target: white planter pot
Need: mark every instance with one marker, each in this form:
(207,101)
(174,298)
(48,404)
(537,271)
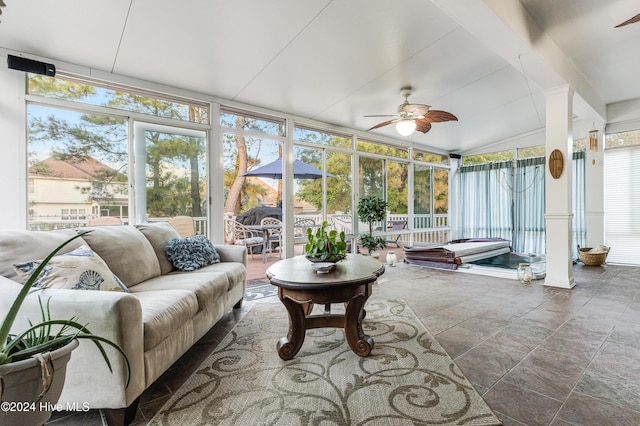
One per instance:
(23,384)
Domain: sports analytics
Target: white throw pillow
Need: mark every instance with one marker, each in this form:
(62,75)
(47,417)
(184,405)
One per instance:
(80,269)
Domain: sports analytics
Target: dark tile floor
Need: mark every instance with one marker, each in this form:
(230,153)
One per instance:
(537,355)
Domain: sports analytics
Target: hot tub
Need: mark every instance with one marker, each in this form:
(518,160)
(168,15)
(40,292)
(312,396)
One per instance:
(506,265)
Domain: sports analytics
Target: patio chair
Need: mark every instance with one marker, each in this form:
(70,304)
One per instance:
(184,225)
(275,234)
(243,236)
(300,227)
(104,221)
(395,225)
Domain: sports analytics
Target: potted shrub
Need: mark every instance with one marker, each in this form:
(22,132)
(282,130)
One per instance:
(371,209)
(33,362)
(325,247)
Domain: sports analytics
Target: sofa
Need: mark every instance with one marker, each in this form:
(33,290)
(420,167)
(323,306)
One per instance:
(160,314)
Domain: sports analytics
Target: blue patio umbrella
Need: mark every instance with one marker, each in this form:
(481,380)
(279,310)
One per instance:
(273,170)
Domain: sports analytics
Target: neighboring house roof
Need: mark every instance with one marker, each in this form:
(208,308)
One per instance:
(72,168)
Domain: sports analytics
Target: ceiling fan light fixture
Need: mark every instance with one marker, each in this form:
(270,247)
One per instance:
(406,127)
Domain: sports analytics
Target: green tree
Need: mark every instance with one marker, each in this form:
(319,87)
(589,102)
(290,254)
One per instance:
(338,185)
(488,158)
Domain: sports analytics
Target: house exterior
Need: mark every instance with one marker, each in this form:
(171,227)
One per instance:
(68,192)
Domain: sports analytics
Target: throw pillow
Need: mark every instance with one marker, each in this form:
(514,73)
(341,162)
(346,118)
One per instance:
(80,269)
(191,253)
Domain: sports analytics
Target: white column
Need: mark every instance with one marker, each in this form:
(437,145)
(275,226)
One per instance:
(287,190)
(559,211)
(594,189)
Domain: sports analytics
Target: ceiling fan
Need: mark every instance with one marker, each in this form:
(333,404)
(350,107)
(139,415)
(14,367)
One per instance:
(411,117)
(629,21)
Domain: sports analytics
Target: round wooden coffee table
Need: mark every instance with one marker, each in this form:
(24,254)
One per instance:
(300,287)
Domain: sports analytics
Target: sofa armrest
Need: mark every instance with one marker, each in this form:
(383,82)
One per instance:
(113,315)
(229,253)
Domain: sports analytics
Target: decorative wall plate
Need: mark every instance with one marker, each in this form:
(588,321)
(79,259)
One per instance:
(556,163)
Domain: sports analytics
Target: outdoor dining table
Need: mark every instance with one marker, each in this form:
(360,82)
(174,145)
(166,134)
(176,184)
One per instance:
(265,234)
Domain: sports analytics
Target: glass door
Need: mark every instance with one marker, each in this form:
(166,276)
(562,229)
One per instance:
(170,174)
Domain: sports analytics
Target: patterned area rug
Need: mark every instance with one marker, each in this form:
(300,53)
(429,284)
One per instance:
(407,379)
(257,283)
(253,293)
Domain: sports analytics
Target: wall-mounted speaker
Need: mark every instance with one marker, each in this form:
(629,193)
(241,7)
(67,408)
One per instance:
(452,155)
(29,65)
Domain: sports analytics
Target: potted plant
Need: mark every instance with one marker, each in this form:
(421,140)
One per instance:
(325,247)
(33,362)
(371,209)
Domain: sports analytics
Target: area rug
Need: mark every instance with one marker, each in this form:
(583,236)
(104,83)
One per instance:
(253,293)
(257,283)
(407,379)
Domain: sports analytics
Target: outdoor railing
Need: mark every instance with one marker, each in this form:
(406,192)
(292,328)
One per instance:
(46,224)
(422,234)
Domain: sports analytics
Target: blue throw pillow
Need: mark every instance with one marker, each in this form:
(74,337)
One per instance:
(191,253)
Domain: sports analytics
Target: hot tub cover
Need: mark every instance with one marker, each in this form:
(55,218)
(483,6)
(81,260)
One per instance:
(456,252)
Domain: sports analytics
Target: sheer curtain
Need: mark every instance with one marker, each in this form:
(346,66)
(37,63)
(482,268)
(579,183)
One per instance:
(579,196)
(500,200)
(529,206)
(622,204)
(486,201)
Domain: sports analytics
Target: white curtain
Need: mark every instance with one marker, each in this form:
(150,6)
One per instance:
(622,204)
(579,197)
(529,206)
(499,200)
(486,201)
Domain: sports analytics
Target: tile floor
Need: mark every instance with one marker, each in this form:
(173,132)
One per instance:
(537,355)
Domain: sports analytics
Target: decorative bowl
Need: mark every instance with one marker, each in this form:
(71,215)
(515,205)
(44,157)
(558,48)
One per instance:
(322,267)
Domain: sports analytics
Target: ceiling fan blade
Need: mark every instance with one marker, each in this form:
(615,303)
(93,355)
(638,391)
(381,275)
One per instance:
(436,116)
(416,109)
(381,115)
(384,123)
(423,125)
(629,21)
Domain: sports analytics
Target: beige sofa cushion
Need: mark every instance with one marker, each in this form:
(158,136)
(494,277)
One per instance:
(126,251)
(164,312)
(207,287)
(159,234)
(22,246)
(235,272)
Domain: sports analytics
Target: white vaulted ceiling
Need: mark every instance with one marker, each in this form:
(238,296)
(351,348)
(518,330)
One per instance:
(486,61)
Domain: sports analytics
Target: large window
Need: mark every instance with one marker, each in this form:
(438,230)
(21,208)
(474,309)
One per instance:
(371,177)
(117,97)
(250,142)
(430,196)
(174,163)
(622,196)
(77,161)
(82,161)
(327,193)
